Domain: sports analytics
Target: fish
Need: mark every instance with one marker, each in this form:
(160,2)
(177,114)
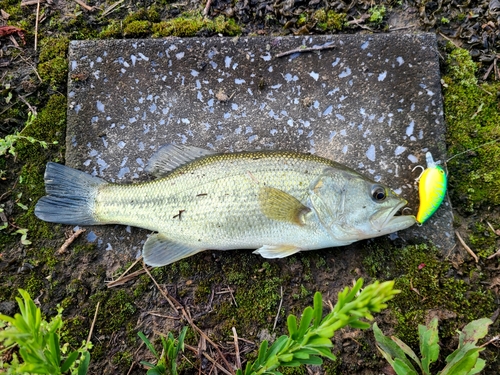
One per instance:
(431,189)
(277,202)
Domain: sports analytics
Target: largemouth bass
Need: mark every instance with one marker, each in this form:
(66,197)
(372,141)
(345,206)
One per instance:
(277,202)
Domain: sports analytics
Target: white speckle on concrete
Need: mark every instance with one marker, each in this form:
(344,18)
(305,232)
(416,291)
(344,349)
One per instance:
(314,75)
(266,57)
(100,106)
(399,150)
(382,76)
(346,73)
(412,158)
(409,129)
(370,153)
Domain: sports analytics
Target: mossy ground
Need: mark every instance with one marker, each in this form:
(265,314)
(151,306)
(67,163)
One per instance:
(472,116)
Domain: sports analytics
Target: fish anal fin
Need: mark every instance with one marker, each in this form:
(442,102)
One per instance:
(281,206)
(277,251)
(170,156)
(159,251)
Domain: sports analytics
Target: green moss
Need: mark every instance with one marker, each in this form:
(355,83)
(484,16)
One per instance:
(53,66)
(123,360)
(54,72)
(52,47)
(329,20)
(482,240)
(377,13)
(48,126)
(302,20)
(137,29)
(116,308)
(33,283)
(427,283)
(255,287)
(472,115)
(190,24)
(112,30)
(43,257)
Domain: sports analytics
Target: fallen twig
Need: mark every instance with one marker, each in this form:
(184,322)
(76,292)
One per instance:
(306,49)
(485,77)
(69,241)
(236,348)
(279,309)
(494,255)
(496,338)
(31,109)
(449,40)
(124,279)
(85,6)
(207,8)
(93,323)
(214,362)
(469,250)
(120,280)
(31,2)
(111,8)
(36,22)
(402,28)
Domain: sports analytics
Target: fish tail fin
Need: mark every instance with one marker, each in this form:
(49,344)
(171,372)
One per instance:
(70,196)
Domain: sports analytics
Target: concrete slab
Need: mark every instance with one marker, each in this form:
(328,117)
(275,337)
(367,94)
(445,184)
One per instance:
(373,103)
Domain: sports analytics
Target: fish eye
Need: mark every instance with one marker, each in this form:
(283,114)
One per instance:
(378,193)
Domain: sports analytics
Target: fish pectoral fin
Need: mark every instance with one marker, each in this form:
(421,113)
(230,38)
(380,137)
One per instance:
(277,251)
(278,205)
(159,251)
(170,156)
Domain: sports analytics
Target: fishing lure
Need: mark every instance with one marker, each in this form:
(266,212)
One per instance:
(431,189)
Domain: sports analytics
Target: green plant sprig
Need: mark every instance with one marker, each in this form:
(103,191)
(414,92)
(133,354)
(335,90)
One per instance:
(310,339)
(7,144)
(38,342)
(464,360)
(167,360)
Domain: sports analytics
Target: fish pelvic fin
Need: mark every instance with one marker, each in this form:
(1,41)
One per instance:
(159,251)
(277,251)
(278,205)
(70,196)
(170,156)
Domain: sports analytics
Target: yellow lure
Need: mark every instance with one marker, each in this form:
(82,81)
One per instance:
(431,189)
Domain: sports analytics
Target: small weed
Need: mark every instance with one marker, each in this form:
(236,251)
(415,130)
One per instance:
(7,144)
(377,14)
(39,342)
(464,360)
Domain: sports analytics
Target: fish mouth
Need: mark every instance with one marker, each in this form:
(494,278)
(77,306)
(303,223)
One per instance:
(389,220)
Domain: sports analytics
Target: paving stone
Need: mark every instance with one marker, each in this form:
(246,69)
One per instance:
(372,102)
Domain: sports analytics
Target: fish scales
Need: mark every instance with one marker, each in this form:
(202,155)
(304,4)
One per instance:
(181,205)
(278,202)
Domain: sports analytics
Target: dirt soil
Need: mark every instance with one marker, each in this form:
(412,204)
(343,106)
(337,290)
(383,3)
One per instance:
(216,290)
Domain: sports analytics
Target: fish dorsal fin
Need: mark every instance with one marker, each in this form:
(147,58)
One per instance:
(170,156)
(159,251)
(276,251)
(278,205)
